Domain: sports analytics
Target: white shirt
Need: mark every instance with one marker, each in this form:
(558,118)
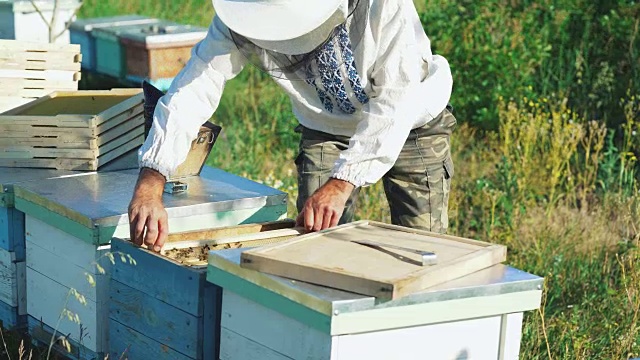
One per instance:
(407,87)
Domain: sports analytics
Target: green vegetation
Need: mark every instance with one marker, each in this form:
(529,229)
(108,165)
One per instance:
(547,100)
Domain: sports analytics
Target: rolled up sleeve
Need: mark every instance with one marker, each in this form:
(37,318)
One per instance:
(191,100)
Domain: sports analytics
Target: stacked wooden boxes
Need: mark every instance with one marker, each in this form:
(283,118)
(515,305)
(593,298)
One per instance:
(89,130)
(176,315)
(69,224)
(30,70)
(81,33)
(474,310)
(157,53)
(23,19)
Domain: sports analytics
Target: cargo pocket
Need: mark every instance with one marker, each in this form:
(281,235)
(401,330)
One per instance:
(439,181)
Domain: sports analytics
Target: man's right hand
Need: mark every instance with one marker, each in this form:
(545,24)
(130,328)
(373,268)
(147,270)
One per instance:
(148,220)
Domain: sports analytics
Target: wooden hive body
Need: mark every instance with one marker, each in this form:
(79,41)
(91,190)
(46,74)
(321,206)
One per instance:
(147,312)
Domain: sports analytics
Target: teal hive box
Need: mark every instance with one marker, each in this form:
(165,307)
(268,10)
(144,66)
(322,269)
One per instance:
(69,224)
(80,32)
(110,53)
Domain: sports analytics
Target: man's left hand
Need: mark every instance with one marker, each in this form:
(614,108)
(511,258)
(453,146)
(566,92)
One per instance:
(325,207)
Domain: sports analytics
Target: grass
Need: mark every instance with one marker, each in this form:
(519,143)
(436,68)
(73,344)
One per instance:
(547,102)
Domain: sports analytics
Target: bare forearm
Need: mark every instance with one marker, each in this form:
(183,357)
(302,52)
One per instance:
(150,184)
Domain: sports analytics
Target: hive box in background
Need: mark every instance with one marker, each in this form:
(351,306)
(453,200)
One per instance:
(81,33)
(157,53)
(110,53)
(19,19)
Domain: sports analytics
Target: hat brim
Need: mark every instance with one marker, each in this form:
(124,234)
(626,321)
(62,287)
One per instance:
(274,20)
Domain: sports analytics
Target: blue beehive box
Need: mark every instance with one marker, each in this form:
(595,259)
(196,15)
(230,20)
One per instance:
(110,53)
(81,33)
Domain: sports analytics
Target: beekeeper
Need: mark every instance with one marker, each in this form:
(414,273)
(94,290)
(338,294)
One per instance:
(370,96)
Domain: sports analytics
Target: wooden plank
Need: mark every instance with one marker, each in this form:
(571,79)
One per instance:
(15,152)
(93,102)
(211,317)
(91,331)
(10,102)
(60,121)
(229,231)
(67,273)
(119,130)
(126,343)
(21,269)
(58,164)
(454,269)
(32,131)
(22,152)
(53,85)
(8,278)
(174,328)
(266,237)
(40,61)
(26,93)
(14,45)
(134,114)
(68,247)
(330,259)
(60,142)
(137,133)
(290,337)
(56,75)
(234,346)
(41,333)
(12,231)
(180,286)
(104,159)
(10,319)
(125,109)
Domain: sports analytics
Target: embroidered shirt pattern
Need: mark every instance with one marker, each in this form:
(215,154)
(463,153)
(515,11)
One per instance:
(331,76)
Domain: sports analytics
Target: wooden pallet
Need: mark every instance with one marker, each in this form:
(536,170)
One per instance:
(85,131)
(30,70)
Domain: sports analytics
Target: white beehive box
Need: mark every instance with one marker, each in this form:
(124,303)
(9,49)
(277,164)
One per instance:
(19,19)
(476,316)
